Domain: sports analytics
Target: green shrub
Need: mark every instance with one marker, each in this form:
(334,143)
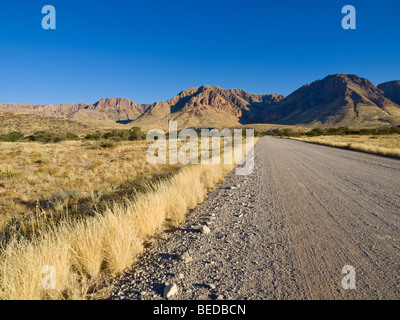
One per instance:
(132,134)
(12,137)
(285,132)
(71,136)
(337,131)
(52,137)
(46,137)
(388,130)
(316,132)
(93,136)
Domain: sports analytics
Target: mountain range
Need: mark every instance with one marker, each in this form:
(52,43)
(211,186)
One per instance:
(337,100)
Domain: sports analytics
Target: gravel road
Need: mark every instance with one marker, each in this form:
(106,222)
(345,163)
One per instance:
(284,232)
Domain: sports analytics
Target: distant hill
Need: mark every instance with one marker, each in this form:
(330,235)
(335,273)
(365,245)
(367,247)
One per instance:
(63,110)
(207,106)
(30,123)
(337,100)
(113,109)
(391,90)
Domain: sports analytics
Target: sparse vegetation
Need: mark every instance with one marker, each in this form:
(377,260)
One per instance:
(87,211)
(337,131)
(12,137)
(50,137)
(125,135)
(115,135)
(6,171)
(70,177)
(28,124)
(380,144)
(383,140)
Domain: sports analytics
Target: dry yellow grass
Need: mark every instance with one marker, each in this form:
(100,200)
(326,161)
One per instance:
(108,242)
(386,145)
(69,178)
(82,251)
(30,123)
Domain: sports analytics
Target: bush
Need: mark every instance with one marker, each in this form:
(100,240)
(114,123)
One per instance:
(258,133)
(337,131)
(71,136)
(52,137)
(316,132)
(12,137)
(45,137)
(286,132)
(132,134)
(273,132)
(137,134)
(290,133)
(389,130)
(93,136)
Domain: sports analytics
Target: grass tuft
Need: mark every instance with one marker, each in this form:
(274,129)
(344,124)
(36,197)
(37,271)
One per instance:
(83,249)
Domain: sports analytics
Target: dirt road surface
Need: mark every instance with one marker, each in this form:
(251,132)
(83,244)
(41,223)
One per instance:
(284,232)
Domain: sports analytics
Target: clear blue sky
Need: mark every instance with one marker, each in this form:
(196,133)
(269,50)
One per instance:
(151,50)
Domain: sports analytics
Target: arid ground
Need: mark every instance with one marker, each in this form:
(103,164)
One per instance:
(284,232)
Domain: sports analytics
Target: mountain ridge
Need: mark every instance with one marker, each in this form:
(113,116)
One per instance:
(339,99)
(391,90)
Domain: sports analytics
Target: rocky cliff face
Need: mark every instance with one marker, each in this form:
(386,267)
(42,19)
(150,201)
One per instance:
(118,109)
(391,90)
(336,100)
(209,106)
